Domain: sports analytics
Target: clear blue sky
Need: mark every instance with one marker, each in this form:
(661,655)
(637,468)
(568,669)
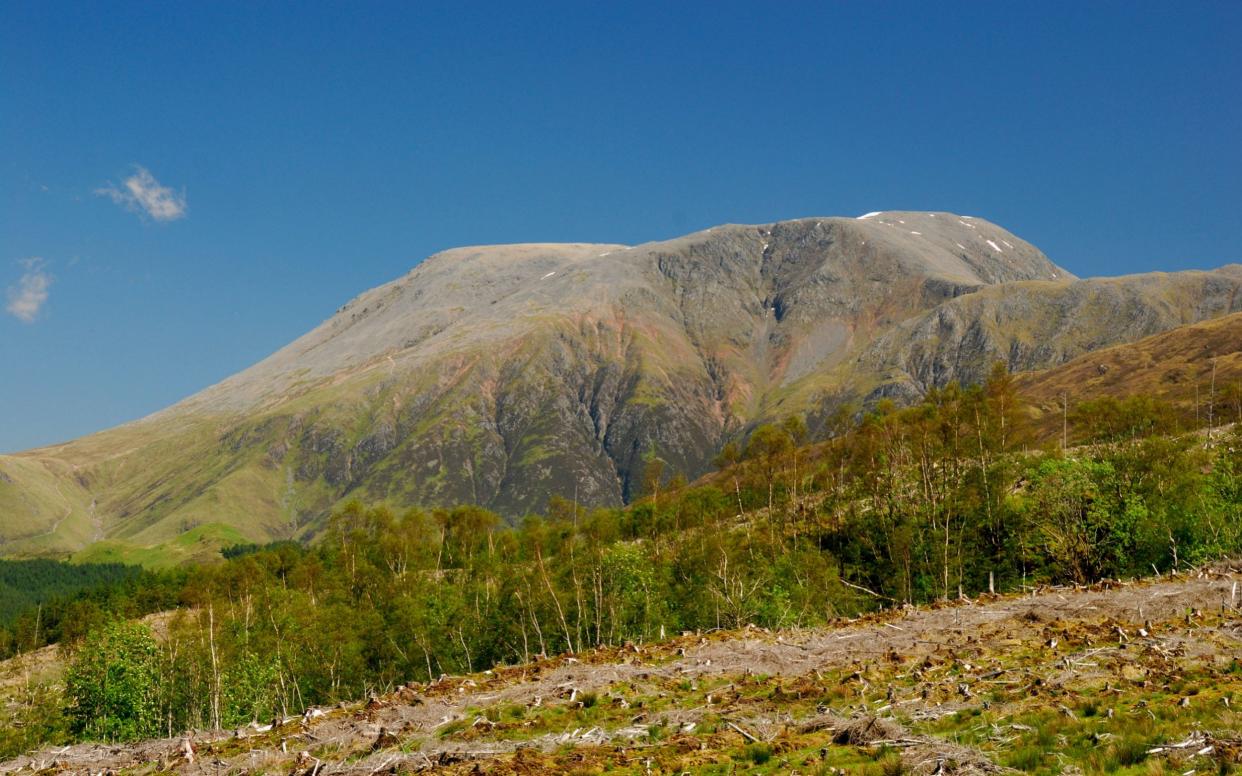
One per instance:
(297,154)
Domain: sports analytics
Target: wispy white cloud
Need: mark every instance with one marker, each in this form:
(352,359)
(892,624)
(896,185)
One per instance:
(27,296)
(142,193)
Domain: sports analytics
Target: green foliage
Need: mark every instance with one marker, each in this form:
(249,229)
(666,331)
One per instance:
(238,550)
(1081,525)
(759,754)
(45,601)
(1110,419)
(250,690)
(112,684)
(33,715)
(631,590)
(28,583)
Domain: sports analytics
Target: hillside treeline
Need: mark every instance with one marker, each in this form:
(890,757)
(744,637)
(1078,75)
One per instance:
(43,601)
(942,499)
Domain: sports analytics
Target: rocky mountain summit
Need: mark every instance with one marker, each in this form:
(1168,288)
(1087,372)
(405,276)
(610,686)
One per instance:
(501,375)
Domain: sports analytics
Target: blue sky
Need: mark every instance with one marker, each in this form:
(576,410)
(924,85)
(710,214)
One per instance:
(185,187)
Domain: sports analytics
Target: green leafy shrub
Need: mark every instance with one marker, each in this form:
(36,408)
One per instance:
(112,684)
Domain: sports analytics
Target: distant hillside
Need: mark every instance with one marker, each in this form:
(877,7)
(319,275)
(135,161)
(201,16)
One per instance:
(1036,325)
(502,375)
(1176,366)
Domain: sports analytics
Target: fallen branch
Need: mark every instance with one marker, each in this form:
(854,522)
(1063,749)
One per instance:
(847,583)
(739,729)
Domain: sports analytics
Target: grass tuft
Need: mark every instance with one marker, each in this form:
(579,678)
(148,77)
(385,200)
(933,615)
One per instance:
(759,754)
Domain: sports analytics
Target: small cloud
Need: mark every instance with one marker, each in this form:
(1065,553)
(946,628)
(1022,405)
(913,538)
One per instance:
(142,193)
(27,297)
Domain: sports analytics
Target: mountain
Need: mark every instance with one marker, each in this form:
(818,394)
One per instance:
(1034,325)
(501,375)
(1197,368)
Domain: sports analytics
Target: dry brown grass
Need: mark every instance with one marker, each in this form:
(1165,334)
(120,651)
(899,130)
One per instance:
(1175,366)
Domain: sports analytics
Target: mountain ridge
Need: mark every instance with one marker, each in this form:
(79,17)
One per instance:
(1196,369)
(501,375)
